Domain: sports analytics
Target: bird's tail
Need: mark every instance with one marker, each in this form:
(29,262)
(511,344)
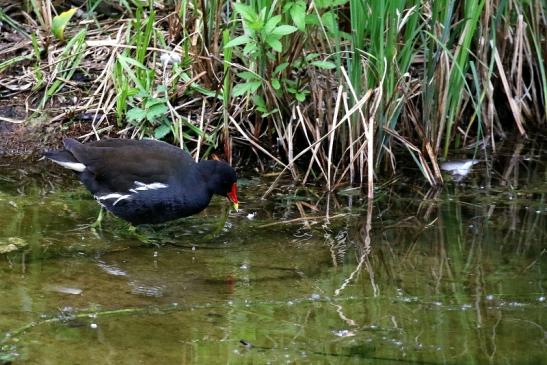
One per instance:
(65,159)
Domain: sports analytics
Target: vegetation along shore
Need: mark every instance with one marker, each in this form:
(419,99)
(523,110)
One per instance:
(334,92)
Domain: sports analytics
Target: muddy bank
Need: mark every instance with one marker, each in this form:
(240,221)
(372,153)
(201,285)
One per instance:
(31,139)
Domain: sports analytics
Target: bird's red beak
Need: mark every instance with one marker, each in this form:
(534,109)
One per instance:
(232,196)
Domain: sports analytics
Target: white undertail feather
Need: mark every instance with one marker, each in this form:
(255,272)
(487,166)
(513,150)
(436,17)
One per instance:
(76,166)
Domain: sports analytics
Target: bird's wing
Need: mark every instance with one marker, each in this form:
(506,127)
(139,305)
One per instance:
(119,166)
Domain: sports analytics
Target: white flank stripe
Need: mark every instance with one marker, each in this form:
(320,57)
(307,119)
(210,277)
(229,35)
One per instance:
(76,166)
(142,187)
(119,197)
(110,196)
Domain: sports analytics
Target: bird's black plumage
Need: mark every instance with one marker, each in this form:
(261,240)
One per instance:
(146,181)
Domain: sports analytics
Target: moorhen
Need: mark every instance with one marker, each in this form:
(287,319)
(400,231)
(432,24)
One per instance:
(146,181)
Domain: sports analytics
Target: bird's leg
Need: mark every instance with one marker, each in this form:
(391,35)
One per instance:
(142,236)
(97,223)
(96,226)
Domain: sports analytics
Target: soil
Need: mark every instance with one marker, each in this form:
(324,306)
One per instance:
(32,138)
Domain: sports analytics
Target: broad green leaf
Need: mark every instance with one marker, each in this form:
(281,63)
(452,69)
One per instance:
(284,30)
(262,14)
(290,82)
(245,87)
(162,131)
(153,101)
(250,48)
(274,42)
(300,97)
(59,23)
(246,12)
(330,22)
(142,93)
(260,103)
(280,68)
(155,111)
(270,24)
(311,56)
(276,84)
(242,39)
(254,27)
(247,75)
(312,19)
(321,4)
(298,15)
(135,115)
(254,86)
(240,89)
(324,64)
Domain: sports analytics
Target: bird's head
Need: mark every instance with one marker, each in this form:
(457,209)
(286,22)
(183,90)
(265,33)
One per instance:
(221,179)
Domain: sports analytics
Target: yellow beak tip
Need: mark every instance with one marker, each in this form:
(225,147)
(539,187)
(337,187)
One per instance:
(236,206)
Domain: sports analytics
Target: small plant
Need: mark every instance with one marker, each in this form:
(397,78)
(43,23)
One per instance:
(263,32)
(145,109)
(261,42)
(60,22)
(151,113)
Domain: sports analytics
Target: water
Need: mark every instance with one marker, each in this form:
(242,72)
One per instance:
(442,277)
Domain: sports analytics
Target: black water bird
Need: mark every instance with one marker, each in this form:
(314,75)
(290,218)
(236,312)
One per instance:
(146,181)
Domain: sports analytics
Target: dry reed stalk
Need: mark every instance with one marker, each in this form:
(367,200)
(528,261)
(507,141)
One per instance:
(303,214)
(485,72)
(281,132)
(305,126)
(515,109)
(368,127)
(200,137)
(355,108)
(359,153)
(256,145)
(331,137)
(424,167)
(443,90)
(314,151)
(512,167)
(310,165)
(106,76)
(45,8)
(351,165)
(437,176)
(11,120)
(290,150)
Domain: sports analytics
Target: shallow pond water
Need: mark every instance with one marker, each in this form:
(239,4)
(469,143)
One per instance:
(417,276)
